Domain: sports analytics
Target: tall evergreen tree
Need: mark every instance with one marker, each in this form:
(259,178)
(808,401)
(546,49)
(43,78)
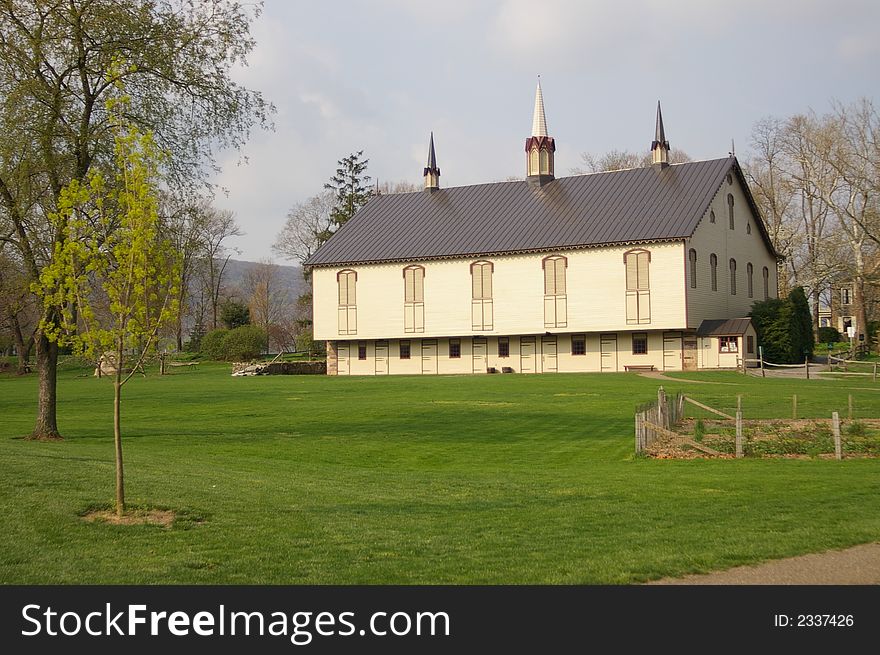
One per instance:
(784,327)
(349,185)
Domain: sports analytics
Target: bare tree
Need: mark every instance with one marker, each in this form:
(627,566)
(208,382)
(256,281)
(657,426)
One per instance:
(19,311)
(267,298)
(308,225)
(617,160)
(216,227)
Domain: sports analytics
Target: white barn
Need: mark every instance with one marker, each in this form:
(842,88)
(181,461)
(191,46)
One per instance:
(631,269)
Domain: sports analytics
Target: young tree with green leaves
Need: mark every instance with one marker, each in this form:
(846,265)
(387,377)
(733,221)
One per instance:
(113,271)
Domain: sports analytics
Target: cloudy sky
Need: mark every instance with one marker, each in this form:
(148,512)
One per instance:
(378,76)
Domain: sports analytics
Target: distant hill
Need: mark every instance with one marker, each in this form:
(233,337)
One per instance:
(291,276)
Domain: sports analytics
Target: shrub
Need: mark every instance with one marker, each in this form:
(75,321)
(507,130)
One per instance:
(212,344)
(244,343)
(828,335)
(699,430)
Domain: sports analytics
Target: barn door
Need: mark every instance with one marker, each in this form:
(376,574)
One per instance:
(342,354)
(527,354)
(608,349)
(548,355)
(429,357)
(381,358)
(672,353)
(480,349)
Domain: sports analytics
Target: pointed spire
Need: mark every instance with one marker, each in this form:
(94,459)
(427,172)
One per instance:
(432,172)
(539,147)
(659,146)
(539,120)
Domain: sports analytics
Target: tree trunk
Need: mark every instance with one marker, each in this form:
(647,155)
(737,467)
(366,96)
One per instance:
(117,436)
(814,293)
(46,426)
(860,313)
(23,351)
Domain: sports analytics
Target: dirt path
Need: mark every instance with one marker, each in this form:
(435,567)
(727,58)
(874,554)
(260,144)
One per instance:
(856,565)
(660,376)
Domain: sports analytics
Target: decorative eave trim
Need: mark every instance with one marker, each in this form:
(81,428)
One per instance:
(498,253)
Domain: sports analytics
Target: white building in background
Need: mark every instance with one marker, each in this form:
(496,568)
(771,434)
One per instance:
(637,268)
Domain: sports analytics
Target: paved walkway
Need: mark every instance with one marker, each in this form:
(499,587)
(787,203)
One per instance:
(856,565)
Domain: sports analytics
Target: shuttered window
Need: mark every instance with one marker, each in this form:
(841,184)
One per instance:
(481,296)
(413,299)
(347,310)
(555,296)
(638,294)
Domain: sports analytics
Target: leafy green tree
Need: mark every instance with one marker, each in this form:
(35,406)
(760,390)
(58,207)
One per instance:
(112,272)
(244,343)
(349,186)
(212,344)
(57,71)
(784,327)
(234,314)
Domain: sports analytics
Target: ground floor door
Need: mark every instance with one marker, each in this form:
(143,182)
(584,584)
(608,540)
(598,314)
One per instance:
(689,352)
(480,350)
(429,357)
(527,354)
(342,358)
(608,351)
(381,358)
(672,353)
(548,355)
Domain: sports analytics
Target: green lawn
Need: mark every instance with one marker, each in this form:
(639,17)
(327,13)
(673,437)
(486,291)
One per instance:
(489,479)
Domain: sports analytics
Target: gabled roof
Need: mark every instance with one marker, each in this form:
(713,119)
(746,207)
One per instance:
(723,327)
(617,207)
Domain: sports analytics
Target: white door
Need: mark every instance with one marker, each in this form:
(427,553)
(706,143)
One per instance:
(608,349)
(381,358)
(429,357)
(672,352)
(342,358)
(548,355)
(480,348)
(527,354)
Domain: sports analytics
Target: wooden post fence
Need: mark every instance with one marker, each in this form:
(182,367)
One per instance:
(850,405)
(739,433)
(807,366)
(835,427)
(794,406)
(761,359)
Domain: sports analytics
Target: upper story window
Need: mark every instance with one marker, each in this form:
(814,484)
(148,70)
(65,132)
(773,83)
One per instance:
(749,282)
(766,274)
(638,294)
(692,271)
(732,277)
(845,296)
(748,228)
(713,271)
(730,210)
(481,295)
(347,309)
(555,296)
(712,216)
(414,299)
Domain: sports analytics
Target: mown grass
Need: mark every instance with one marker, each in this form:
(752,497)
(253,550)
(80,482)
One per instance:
(489,479)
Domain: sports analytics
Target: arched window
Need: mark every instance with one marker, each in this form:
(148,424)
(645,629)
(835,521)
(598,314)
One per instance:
(692,260)
(481,295)
(749,282)
(713,271)
(533,161)
(638,292)
(732,277)
(347,310)
(711,216)
(545,163)
(414,299)
(555,293)
(766,273)
(730,210)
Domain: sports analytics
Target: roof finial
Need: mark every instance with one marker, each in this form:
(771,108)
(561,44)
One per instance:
(431,172)
(539,120)
(659,146)
(732,152)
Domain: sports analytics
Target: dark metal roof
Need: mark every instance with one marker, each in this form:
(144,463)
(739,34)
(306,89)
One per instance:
(640,204)
(721,326)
